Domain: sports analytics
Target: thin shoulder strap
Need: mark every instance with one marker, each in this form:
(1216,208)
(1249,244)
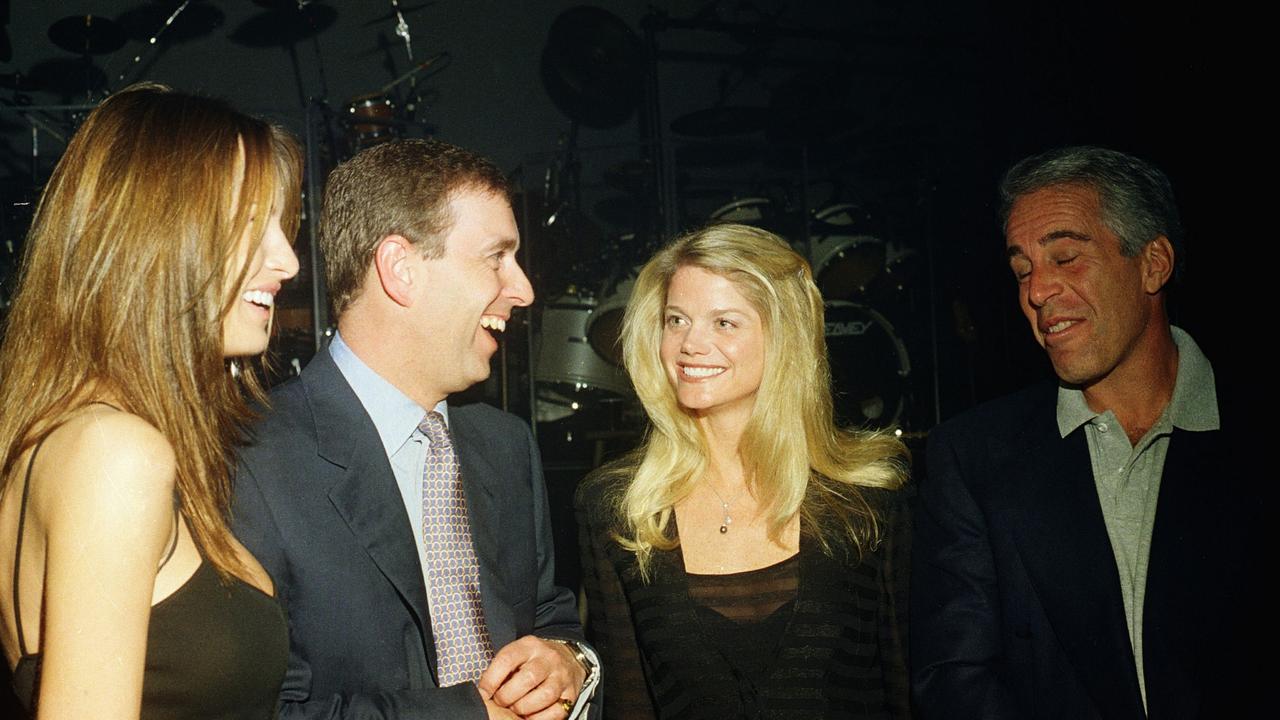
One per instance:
(17,556)
(173,541)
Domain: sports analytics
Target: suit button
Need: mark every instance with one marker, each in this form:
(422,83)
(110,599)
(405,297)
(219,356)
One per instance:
(1021,633)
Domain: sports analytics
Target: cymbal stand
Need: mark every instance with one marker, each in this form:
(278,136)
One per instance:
(136,63)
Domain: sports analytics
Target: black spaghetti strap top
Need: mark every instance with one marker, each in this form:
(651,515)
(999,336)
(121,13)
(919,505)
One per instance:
(214,650)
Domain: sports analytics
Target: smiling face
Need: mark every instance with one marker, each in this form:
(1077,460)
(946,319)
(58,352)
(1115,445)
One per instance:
(713,345)
(246,328)
(469,292)
(1089,306)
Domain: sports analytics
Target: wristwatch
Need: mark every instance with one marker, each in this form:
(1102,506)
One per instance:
(586,657)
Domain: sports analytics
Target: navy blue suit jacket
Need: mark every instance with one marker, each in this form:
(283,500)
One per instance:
(317,503)
(1016,605)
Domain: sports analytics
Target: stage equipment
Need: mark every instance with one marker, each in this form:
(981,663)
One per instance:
(593,67)
(87,35)
(371,120)
(869,365)
(604,330)
(569,371)
(846,256)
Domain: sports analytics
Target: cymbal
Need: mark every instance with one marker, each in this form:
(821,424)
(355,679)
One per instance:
(284,25)
(198,20)
(593,67)
(87,34)
(721,121)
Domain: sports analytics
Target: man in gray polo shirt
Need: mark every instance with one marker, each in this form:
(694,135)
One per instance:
(1080,546)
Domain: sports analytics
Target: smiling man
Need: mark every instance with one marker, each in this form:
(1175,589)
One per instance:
(1081,547)
(409,539)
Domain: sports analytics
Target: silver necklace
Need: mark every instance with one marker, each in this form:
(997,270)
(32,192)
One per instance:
(724,507)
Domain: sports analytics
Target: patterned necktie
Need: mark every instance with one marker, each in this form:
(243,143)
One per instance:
(463,648)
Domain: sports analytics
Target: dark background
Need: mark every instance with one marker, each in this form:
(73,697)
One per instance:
(906,111)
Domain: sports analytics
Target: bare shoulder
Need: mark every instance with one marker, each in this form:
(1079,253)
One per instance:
(109,459)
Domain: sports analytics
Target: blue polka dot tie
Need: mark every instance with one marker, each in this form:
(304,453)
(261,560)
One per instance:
(463,648)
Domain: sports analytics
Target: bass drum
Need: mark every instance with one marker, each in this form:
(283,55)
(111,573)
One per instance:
(847,258)
(570,375)
(869,366)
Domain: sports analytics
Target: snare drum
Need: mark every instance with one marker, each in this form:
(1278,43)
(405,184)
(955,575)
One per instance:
(869,366)
(846,257)
(370,120)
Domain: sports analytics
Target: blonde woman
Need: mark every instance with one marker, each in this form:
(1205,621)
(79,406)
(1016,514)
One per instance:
(154,257)
(744,561)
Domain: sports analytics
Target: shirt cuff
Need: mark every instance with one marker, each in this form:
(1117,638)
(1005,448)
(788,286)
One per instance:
(583,704)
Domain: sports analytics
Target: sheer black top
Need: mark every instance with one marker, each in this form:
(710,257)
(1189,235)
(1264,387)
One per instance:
(814,636)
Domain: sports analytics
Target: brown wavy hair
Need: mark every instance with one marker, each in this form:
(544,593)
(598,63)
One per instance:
(122,285)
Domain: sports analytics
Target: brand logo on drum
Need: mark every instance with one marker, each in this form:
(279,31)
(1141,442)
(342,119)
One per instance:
(847,327)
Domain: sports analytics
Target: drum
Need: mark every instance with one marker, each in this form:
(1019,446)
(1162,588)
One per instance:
(370,120)
(869,366)
(748,211)
(762,213)
(846,257)
(604,329)
(565,359)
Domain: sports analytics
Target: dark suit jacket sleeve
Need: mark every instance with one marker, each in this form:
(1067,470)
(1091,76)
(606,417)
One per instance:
(255,526)
(955,607)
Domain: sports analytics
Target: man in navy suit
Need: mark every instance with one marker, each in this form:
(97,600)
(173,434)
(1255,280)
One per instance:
(1081,547)
(404,602)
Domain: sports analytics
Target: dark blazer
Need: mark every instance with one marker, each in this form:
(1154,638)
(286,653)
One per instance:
(317,503)
(1016,604)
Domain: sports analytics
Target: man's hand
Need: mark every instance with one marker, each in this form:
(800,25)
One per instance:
(497,712)
(532,677)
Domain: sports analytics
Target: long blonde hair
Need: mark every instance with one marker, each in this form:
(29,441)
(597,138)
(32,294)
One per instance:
(122,285)
(795,458)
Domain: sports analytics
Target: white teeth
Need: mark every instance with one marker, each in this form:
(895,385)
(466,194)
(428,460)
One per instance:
(1060,326)
(493,323)
(259,297)
(701,372)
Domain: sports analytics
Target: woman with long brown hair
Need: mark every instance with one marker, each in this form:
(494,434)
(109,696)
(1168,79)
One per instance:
(745,561)
(153,260)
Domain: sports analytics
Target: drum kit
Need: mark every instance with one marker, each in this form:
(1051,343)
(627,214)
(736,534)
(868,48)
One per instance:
(155,27)
(582,391)
(856,270)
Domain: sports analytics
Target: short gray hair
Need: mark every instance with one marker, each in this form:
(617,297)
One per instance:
(1136,197)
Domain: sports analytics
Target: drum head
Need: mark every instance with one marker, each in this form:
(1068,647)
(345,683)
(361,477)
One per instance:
(869,366)
(565,356)
(847,258)
(762,213)
(604,329)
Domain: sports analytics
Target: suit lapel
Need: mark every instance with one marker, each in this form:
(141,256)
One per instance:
(1192,521)
(1063,542)
(366,496)
(482,485)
